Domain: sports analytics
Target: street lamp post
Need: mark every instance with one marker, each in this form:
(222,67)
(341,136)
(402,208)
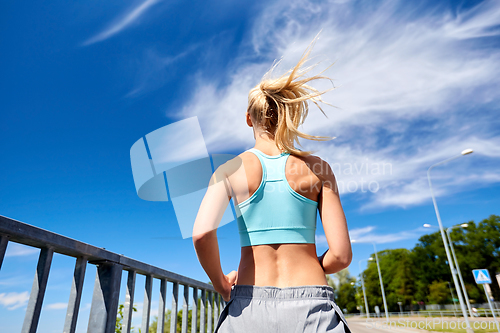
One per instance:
(450,262)
(381,284)
(380,278)
(452,298)
(462,284)
(367,310)
(464,225)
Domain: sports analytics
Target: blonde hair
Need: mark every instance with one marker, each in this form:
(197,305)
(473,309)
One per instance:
(280,105)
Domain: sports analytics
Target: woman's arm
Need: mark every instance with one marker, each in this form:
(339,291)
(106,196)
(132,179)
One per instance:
(205,233)
(339,254)
(207,250)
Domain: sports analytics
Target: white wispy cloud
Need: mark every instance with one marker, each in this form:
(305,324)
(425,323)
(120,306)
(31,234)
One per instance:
(15,250)
(416,85)
(369,235)
(14,300)
(85,307)
(122,23)
(154,69)
(470,24)
(57,306)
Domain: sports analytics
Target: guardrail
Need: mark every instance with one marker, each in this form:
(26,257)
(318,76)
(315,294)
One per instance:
(431,313)
(104,306)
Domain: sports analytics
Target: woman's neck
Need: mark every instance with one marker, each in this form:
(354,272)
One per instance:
(265,143)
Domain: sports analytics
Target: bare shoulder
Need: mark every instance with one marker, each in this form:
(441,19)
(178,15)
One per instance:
(233,165)
(246,159)
(249,160)
(319,167)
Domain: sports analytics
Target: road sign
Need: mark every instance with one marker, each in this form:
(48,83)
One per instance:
(487,296)
(481,276)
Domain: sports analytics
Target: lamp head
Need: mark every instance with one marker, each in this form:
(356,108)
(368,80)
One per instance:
(464,225)
(371,258)
(427,225)
(467,151)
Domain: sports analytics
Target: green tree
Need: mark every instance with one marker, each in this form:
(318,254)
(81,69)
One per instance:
(345,290)
(478,246)
(166,328)
(119,318)
(400,275)
(154,324)
(438,292)
(343,277)
(397,270)
(346,298)
(430,264)
(330,282)
(416,276)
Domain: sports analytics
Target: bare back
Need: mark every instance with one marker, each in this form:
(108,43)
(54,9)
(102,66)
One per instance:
(279,265)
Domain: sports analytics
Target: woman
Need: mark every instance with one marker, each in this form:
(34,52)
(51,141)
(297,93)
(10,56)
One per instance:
(280,285)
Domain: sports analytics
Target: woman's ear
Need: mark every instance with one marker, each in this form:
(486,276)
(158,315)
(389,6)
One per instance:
(249,120)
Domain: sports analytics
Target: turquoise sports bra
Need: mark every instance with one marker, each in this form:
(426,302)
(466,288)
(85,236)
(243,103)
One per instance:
(275,213)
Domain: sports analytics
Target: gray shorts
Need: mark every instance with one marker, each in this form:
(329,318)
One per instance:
(272,309)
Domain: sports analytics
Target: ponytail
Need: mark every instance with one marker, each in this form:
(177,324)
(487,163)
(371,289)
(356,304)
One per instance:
(280,105)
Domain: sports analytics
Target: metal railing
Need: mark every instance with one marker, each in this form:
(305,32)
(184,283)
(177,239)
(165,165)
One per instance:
(104,306)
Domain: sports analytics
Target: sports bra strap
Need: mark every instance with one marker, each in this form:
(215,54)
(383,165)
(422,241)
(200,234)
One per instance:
(273,167)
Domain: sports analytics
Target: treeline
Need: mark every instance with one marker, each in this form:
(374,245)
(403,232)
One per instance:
(421,275)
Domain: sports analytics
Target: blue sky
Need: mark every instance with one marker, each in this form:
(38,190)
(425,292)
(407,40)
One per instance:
(82,81)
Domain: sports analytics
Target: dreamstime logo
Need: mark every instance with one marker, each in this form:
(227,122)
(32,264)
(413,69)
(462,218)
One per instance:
(429,324)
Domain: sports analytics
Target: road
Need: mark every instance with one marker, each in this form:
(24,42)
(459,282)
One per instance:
(362,326)
(411,324)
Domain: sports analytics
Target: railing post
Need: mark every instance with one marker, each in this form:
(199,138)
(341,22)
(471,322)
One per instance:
(146,309)
(173,313)
(38,291)
(105,298)
(75,295)
(202,310)
(4,240)
(216,309)
(161,306)
(209,313)
(185,309)
(194,314)
(129,302)
(107,284)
